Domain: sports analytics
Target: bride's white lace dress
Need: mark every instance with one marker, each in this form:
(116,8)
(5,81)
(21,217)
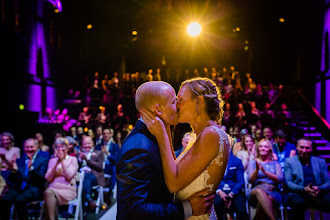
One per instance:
(204,180)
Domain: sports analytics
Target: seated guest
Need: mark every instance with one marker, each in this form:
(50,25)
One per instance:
(282,148)
(26,180)
(248,151)
(238,143)
(72,151)
(61,175)
(268,134)
(40,139)
(91,162)
(229,193)
(265,174)
(98,135)
(8,153)
(258,136)
(110,150)
(184,142)
(307,181)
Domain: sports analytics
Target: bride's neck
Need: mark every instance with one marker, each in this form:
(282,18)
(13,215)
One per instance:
(201,123)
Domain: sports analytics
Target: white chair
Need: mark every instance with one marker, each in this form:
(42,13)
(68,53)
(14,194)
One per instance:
(79,206)
(247,188)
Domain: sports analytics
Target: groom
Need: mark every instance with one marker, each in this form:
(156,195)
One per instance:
(142,191)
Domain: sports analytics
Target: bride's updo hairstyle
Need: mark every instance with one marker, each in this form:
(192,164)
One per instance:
(211,93)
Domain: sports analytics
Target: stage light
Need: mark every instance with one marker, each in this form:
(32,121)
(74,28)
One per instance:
(134,33)
(194,29)
(281,20)
(246,42)
(85,129)
(21,107)
(238,29)
(89,26)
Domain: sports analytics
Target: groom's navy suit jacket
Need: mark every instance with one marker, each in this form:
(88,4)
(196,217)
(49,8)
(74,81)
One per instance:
(142,192)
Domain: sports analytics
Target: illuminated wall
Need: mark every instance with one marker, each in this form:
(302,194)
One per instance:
(39,97)
(322,87)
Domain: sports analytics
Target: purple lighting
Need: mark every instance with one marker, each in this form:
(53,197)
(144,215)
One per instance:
(51,97)
(317,97)
(327,103)
(38,64)
(34,98)
(57,4)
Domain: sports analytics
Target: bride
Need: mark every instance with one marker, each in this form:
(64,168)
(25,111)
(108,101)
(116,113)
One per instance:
(201,165)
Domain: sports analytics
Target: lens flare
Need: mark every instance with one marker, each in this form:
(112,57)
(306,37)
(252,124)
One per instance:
(194,29)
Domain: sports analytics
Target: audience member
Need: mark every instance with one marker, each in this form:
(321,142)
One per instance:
(40,139)
(84,116)
(248,151)
(73,133)
(90,162)
(98,137)
(72,144)
(61,175)
(307,181)
(185,140)
(229,193)
(282,148)
(8,153)
(265,174)
(238,143)
(102,116)
(258,136)
(26,180)
(110,150)
(268,134)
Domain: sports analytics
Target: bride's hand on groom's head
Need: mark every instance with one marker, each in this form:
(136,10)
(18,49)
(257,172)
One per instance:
(154,124)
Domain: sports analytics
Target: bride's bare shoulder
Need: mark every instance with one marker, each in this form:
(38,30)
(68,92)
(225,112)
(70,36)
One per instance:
(209,139)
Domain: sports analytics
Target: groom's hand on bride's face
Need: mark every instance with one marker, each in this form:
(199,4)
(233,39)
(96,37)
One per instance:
(201,203)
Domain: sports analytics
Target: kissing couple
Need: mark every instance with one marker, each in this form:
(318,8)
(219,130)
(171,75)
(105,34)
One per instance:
(148,173)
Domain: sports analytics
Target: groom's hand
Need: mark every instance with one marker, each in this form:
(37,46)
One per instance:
(200,203)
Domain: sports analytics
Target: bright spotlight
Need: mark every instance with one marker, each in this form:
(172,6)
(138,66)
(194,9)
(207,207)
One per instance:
(194,29)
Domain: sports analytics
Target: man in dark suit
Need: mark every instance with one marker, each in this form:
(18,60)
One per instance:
(26,181)
(142,191)
(110,150)
(91,162)
(229,193)
(307,181)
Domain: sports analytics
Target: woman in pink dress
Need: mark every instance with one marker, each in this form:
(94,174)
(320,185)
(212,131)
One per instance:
(8,153)
(61,175)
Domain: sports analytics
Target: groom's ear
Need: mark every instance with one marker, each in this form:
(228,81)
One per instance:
(158,110)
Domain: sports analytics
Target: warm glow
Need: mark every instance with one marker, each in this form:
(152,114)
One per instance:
(282,20)
(194,29)
(85,129)
(89,26)
(134,33)
(238,29)
(246,42)
(56,11)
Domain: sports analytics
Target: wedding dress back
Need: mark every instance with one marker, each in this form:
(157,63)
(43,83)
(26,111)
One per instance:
(205,179)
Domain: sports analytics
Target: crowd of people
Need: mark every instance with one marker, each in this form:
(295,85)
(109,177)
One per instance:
(268,157)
